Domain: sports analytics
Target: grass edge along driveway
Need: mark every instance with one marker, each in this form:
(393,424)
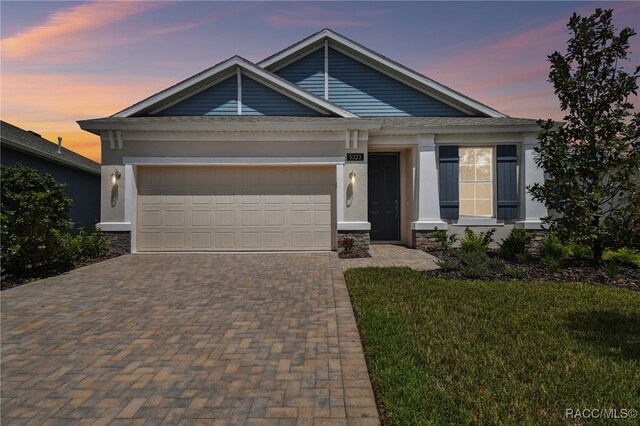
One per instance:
(459,352)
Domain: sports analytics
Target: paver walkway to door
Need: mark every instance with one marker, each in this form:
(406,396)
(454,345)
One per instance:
(186,338)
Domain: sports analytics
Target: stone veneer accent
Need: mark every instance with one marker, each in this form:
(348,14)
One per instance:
(423,240)
(361,238)
(119,241)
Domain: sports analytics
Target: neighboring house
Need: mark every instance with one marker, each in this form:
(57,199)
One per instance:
(80,175)
(324,139)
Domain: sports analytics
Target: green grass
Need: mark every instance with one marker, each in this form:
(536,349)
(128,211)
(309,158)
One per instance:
(460,352)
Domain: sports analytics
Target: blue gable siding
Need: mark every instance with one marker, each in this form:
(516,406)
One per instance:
(220,99)
(307,72)
(258,99)
(367,92)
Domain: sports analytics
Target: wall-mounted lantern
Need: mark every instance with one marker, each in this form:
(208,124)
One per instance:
(352,177)
(115,176)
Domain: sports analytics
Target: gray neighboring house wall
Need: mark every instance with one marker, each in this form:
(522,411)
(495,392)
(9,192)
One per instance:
(80,174)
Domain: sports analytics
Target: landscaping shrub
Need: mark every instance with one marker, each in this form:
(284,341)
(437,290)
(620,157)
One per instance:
(445,239)
(348,243)
(89,245)
(515,244)
(447,265)
(496,264)
(474,263)
(580,252)
(476,242)
(553,251)
(612,269)
(623,256)
(34,215)
(515,272)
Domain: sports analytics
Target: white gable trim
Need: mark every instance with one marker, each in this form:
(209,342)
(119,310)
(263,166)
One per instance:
(410,75)
(287,88)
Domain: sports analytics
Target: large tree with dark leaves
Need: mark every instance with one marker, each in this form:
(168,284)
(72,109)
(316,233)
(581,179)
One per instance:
(592,162)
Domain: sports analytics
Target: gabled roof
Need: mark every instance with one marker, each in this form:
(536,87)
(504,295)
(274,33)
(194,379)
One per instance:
(226,68)
(380,62)
(31,143)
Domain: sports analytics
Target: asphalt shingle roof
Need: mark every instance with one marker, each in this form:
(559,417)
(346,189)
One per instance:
(22,139)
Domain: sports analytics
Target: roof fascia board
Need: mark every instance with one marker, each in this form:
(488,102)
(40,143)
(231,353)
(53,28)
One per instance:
(443,130)
(152,100)
(96,126)
(46,156)
(386,62)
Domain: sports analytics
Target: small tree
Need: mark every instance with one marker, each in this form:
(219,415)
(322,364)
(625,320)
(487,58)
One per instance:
(33,217)
(592,161)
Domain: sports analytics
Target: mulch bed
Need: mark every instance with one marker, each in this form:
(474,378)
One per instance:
(572,271)
(15,280)
(354,254)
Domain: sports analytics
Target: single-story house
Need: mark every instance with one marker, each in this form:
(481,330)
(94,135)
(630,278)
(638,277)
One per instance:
(80,174)
(323,140)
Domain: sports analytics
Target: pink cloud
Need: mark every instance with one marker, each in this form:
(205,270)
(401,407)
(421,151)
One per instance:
(65,29)
(306,15)
(210,18)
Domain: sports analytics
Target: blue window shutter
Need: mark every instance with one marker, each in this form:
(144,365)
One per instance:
(507,177)
(448,180)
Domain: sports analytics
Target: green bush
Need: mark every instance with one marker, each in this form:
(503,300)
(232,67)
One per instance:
(515,244)
(579,251)
(551,247)
(623,256)
(495,264)
(89,245)
(476,242)
(445,239)
(34,216)
(515,272)
(447,265)
(552,263)
(474,263)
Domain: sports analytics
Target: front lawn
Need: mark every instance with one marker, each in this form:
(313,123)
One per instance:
(459,352)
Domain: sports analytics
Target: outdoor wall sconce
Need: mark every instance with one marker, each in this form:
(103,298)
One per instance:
(115,176)
(352,177)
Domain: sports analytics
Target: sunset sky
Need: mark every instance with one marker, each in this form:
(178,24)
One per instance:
(67,61)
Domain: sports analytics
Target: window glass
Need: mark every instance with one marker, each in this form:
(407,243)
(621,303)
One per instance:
(476,181)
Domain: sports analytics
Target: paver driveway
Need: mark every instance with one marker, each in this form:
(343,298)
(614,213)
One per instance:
(186,338)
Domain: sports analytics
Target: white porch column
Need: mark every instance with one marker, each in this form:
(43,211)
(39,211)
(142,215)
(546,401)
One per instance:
(427,182)
(340,198)
(531,211)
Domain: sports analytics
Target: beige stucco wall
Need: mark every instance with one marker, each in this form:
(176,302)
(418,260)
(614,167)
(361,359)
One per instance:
(224,148)
(355,208)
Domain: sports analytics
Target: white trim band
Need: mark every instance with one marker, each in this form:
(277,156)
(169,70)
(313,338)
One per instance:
(354,226)
(114,226)
(237,161)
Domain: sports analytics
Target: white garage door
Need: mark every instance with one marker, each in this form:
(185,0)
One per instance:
(198,208)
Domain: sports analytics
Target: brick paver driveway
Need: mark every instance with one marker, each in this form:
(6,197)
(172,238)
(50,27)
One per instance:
(186,338)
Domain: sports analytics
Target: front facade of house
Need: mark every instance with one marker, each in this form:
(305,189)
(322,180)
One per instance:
(323,140)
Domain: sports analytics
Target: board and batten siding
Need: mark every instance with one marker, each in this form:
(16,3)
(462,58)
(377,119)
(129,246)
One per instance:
(222,99)
(507,180)
(449,182)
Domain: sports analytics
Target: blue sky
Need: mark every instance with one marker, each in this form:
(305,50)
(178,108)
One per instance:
(65,61)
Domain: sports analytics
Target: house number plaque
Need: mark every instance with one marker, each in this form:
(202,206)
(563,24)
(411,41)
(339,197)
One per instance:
(355,156)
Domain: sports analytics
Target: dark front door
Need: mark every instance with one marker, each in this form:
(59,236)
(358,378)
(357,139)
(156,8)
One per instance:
(384,196)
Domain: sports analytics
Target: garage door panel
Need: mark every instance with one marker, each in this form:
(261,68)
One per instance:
(235,208)
(225,217)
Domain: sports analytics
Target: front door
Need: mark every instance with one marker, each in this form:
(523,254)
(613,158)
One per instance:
(384,196)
